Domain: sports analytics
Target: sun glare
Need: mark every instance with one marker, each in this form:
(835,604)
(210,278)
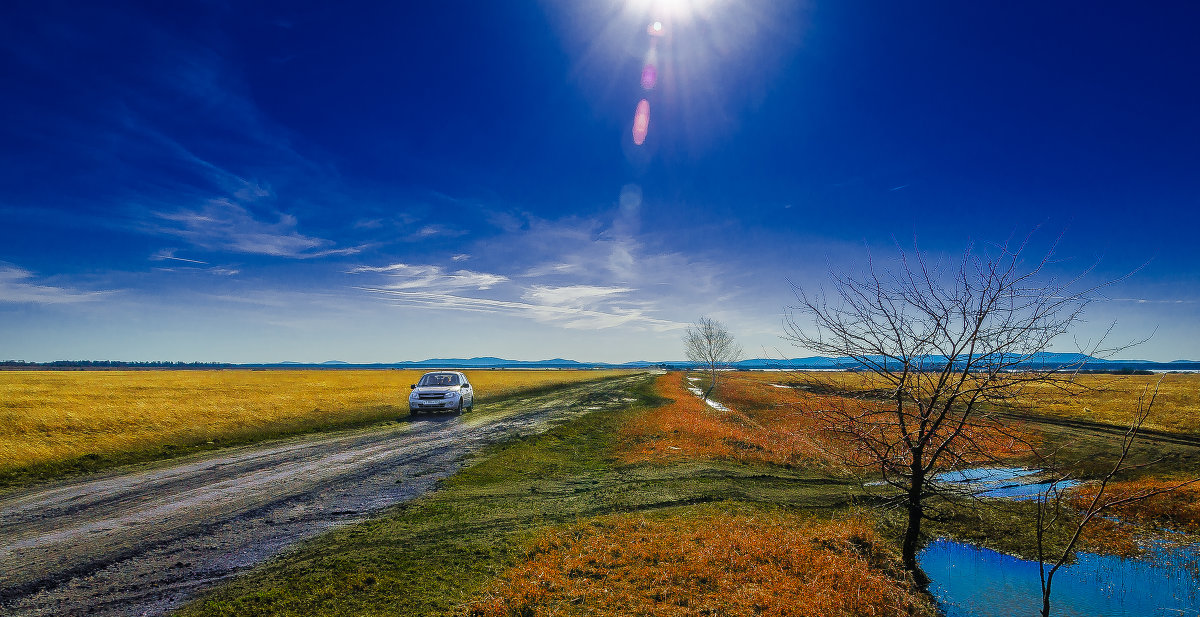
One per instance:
(671,10)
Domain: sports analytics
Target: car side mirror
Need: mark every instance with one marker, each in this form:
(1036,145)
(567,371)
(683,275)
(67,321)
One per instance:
(412,386)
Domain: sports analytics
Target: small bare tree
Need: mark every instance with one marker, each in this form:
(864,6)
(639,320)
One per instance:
(708,343)
(947,342)
(1051,508)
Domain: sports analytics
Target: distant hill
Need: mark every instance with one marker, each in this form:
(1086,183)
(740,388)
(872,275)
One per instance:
(1068,361)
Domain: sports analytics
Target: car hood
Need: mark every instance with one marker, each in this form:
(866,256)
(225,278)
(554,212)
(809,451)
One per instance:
(437,388)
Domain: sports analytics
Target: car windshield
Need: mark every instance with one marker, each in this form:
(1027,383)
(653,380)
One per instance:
(439,379)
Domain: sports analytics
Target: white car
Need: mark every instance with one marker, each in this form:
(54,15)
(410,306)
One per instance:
(441,391)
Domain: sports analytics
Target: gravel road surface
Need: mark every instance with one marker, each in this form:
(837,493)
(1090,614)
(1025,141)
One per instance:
(142,542)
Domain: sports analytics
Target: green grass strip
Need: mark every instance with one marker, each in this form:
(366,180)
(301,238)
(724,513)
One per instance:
(431,555)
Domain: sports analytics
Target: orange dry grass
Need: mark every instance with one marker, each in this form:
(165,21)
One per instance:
(689,429)
(981,441)
(782,426)
(56,415)
(1178,509)
(714,564)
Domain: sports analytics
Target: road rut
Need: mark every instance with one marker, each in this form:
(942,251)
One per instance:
(143,542)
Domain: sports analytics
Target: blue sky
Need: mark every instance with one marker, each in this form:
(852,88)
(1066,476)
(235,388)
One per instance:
(375,182)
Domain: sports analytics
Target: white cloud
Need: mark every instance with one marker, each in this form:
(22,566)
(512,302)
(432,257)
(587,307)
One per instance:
(16,287)
(224,225)
(169,254)
(566,317)
(1154,301)
(437,229)
(574,296)
(432,277)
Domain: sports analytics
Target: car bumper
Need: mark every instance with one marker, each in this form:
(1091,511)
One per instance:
(433,405)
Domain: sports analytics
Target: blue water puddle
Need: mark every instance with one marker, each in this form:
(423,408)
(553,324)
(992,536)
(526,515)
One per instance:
(970,581)
(999,482)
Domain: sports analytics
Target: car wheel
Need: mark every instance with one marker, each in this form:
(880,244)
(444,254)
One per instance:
(460,406)
(412,411)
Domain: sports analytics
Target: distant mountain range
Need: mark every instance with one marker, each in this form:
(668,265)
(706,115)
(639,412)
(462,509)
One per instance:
(1043,360)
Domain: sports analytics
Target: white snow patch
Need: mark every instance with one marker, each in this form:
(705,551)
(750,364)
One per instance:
(711,403)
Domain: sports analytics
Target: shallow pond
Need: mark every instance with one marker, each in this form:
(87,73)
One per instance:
(970,581)
(999,482)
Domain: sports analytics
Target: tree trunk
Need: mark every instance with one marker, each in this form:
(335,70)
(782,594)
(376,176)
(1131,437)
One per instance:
(916,512)
(713,384)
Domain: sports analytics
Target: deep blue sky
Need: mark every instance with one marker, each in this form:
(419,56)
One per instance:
(230,181)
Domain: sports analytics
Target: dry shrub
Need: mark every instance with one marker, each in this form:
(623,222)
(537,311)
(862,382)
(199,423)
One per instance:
(1107,536)
(711,564)
(1177,509)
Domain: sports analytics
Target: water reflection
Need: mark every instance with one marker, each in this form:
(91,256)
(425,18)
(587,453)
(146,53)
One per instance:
(970,581)
(999,482)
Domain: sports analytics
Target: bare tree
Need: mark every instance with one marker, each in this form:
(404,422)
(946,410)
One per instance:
(948,342)
(1051,508)
(709,343)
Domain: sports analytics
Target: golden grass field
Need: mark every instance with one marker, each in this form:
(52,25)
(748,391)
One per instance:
(1111,399)
(47,416)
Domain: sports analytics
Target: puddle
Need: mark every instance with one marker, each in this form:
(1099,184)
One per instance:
(970,581)
(999,482)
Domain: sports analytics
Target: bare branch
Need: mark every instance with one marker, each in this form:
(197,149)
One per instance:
(709,343)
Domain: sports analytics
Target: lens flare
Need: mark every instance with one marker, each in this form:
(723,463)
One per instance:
(641,122)
(649,77)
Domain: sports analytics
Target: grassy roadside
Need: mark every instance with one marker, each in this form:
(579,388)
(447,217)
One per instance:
(431,556)
(232,408)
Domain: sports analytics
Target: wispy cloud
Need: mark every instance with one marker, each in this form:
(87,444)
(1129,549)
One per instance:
(575,273)
(169,254)
(17,285)
(572,296)
(567,317)
(432,277)
(224,225)
(1155,300)
(200,266)
(438,230)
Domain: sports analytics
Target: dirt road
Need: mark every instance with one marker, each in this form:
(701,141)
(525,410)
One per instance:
(143,542)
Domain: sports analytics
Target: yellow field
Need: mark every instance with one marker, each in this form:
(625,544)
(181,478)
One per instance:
(47,416)
(1111,399)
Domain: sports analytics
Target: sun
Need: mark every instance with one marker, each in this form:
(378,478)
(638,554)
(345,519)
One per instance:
(662,11)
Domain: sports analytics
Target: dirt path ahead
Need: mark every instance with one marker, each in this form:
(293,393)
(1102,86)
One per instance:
(143,542)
